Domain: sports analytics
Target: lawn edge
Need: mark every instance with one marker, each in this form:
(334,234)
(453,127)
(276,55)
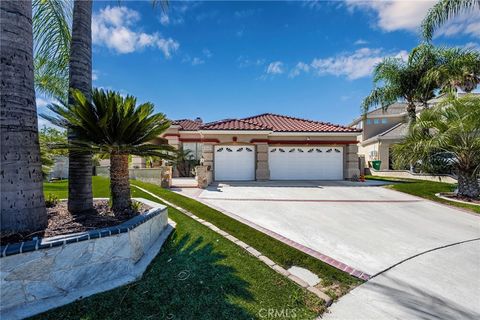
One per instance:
(252,251)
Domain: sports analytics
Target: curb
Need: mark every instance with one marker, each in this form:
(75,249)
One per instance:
(257,254)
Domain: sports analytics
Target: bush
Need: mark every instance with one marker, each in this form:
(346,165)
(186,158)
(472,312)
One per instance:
(51,200)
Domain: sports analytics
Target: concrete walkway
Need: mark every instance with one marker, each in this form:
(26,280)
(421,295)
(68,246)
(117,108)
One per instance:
(442,284)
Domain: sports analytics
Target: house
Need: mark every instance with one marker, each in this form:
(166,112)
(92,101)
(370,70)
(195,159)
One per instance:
(269,147)
(380,130)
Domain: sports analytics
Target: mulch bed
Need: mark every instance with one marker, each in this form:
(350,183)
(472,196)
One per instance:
(461,198)
(61,221)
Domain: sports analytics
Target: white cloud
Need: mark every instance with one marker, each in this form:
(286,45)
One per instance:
(207,53)
(113,27)
(244,62)
(353,65)
(196,61)
(94,75)
(360,42)
(408,15)
(299,68)
(164,19)
(275,67)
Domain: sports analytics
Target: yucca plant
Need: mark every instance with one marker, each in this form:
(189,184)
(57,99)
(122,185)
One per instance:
(114,125)
(453,128)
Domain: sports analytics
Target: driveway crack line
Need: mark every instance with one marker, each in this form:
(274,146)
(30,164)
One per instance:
(422,253)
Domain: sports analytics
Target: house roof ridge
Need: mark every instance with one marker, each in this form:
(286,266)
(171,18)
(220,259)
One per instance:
(206,125)
(301,119)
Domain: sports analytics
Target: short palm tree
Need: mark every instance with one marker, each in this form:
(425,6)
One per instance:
(444,10)
(403,80)
(114,125)
(452,127)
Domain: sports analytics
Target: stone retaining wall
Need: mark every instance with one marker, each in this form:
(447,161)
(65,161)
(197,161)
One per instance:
(46,273)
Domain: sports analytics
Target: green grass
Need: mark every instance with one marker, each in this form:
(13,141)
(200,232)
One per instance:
(279,252)
(425,189)
(222,280)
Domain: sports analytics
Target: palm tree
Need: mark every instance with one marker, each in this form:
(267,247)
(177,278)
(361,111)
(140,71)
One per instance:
(452,127)
(444,10)
(22,204)
(80,196)
(457,68)
(52,20)
(403,80)
(113,125)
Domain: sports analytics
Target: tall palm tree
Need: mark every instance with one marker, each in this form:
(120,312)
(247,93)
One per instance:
(113,125)
(453,128)
(22,201)
(457,68)
(444,10)
(404,80)
(80,196)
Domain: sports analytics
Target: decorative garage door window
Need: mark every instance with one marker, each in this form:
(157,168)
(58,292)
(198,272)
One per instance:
(248,149)
(273,150)
(220,150)
(240,150)
(291,150)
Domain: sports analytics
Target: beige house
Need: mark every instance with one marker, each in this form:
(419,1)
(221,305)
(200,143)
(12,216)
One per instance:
(380,130)
(269,147)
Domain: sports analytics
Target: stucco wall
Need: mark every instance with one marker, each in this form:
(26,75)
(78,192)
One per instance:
(54,270)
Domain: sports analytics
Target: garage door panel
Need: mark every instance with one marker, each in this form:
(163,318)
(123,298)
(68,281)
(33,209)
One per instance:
(234,163)
(306,163)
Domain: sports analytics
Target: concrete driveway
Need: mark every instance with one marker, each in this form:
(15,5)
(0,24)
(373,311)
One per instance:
(366,227)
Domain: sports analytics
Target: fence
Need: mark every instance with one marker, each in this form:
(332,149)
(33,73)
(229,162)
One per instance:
(161,176)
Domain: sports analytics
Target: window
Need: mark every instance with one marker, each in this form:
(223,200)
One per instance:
(376,121)
(369,121)
(195,149)
(384,121)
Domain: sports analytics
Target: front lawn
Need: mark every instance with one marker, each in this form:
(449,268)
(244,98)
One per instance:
(197,275)
(425,189)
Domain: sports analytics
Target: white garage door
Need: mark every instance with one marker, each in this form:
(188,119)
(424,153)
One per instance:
(305,163)
(234,163)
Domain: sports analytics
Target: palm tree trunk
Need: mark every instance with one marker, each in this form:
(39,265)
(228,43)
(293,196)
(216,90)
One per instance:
(80,195)
(468,184)
(119,183)
(21,186)
(412,113)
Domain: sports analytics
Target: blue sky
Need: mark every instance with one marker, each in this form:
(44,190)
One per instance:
(234,59)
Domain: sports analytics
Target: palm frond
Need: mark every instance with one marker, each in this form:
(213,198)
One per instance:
(444,10)
(52,36)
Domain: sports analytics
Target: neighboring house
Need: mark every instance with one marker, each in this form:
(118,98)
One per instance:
(269,147)
(380,130)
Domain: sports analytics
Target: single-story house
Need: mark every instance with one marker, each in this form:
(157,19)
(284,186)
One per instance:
(269,147)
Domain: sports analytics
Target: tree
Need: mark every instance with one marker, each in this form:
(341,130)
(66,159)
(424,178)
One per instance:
(22,204)
(405,80)
(49,137)
(52,20)
(113,125)
(452,127)
(456,68)
(80,196)
(443,11)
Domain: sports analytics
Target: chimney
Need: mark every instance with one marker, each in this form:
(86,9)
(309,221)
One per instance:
(198,120)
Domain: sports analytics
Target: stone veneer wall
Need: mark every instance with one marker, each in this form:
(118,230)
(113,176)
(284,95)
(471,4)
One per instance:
(46,273)
(207,154)
(262,168)
(351,164)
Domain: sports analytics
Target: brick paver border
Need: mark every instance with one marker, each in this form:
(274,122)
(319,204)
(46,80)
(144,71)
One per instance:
(257,254)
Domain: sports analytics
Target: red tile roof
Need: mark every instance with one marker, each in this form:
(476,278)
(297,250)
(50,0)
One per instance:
(233,124)
(277,123)
(187,124)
